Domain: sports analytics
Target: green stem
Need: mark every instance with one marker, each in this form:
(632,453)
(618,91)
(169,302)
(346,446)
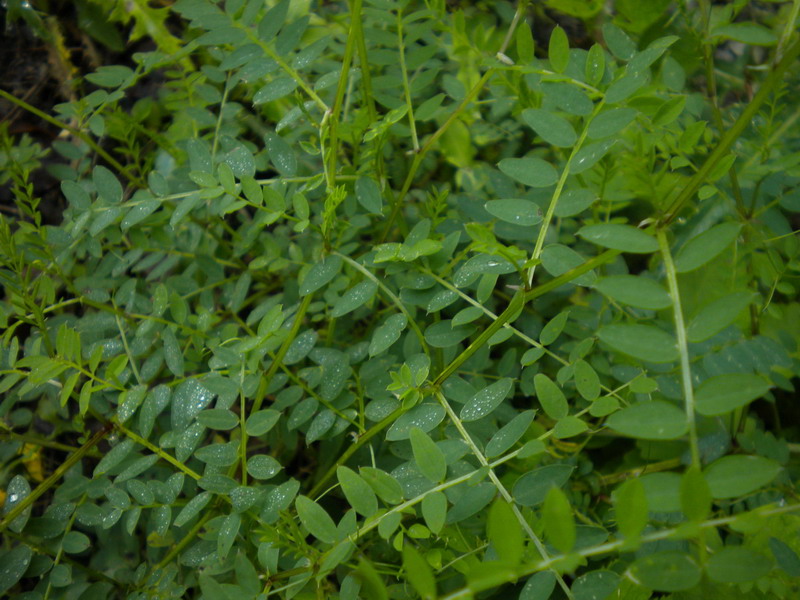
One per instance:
(500,487)
(76,132)
(278,360)
(732,134)
(608,547)
(71,460)
(158,451)
(683,346)
(551,208)
(341,88)
(412,171)
(406,88)
(397,302)
(286,67)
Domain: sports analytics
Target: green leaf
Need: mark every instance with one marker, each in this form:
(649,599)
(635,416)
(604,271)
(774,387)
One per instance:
(114,457)
(274,90)
(529,171)
(387,333)
(515,211)
(786,557)
(695,495)
(550,397)
(553,328)
(559,522)
(586,380)
(271,23)
(610,122)
(558,259)
(558,50)
(504,532)
(737,564)
(189,399)
(667,571)
(509,434)
(725,393)
(595,64)
(262,466)
(595,585)
(619,237)
(747,33)
(173,355)
(531,489)
(630,508)
(425,416)
(418,572)
(218,418)
(259,423)
(368,194)
(486,400)
(357,491)
(75,542)
(434,511)
(192,508)
(588,156)
(644,342)
(524,44)
(706,246)
(618,42)
(655,420)
(320,274)
(228,530)
(282,157)
(669,111)
(428,456)
(568,427)
(443,335)
(15,562)
(634,290)
(573,202)
(384,485)
(107,185)
(717,315)
(316,520)
(737,475)
(552,128)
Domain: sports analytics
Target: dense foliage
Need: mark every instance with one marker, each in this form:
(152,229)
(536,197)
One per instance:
(405,298)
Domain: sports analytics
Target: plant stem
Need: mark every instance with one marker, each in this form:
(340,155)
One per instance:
(683,346)
(71,460)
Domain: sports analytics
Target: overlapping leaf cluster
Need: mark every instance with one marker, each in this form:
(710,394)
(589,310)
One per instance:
(384,301)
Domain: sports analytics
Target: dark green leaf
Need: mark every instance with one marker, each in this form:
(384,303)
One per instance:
(487,400)
(316,520)
(644,342)
(529,171)
(655,420)
(725,393)
(736,564)
(515,211)
(705,247)
(429,458)
(558,50)
(358,493)
(634,290)
(532,487)
(669,571)
(620,237)
(552,128)
(737,475)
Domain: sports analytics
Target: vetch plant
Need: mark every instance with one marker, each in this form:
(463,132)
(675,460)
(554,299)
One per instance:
(397,299)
